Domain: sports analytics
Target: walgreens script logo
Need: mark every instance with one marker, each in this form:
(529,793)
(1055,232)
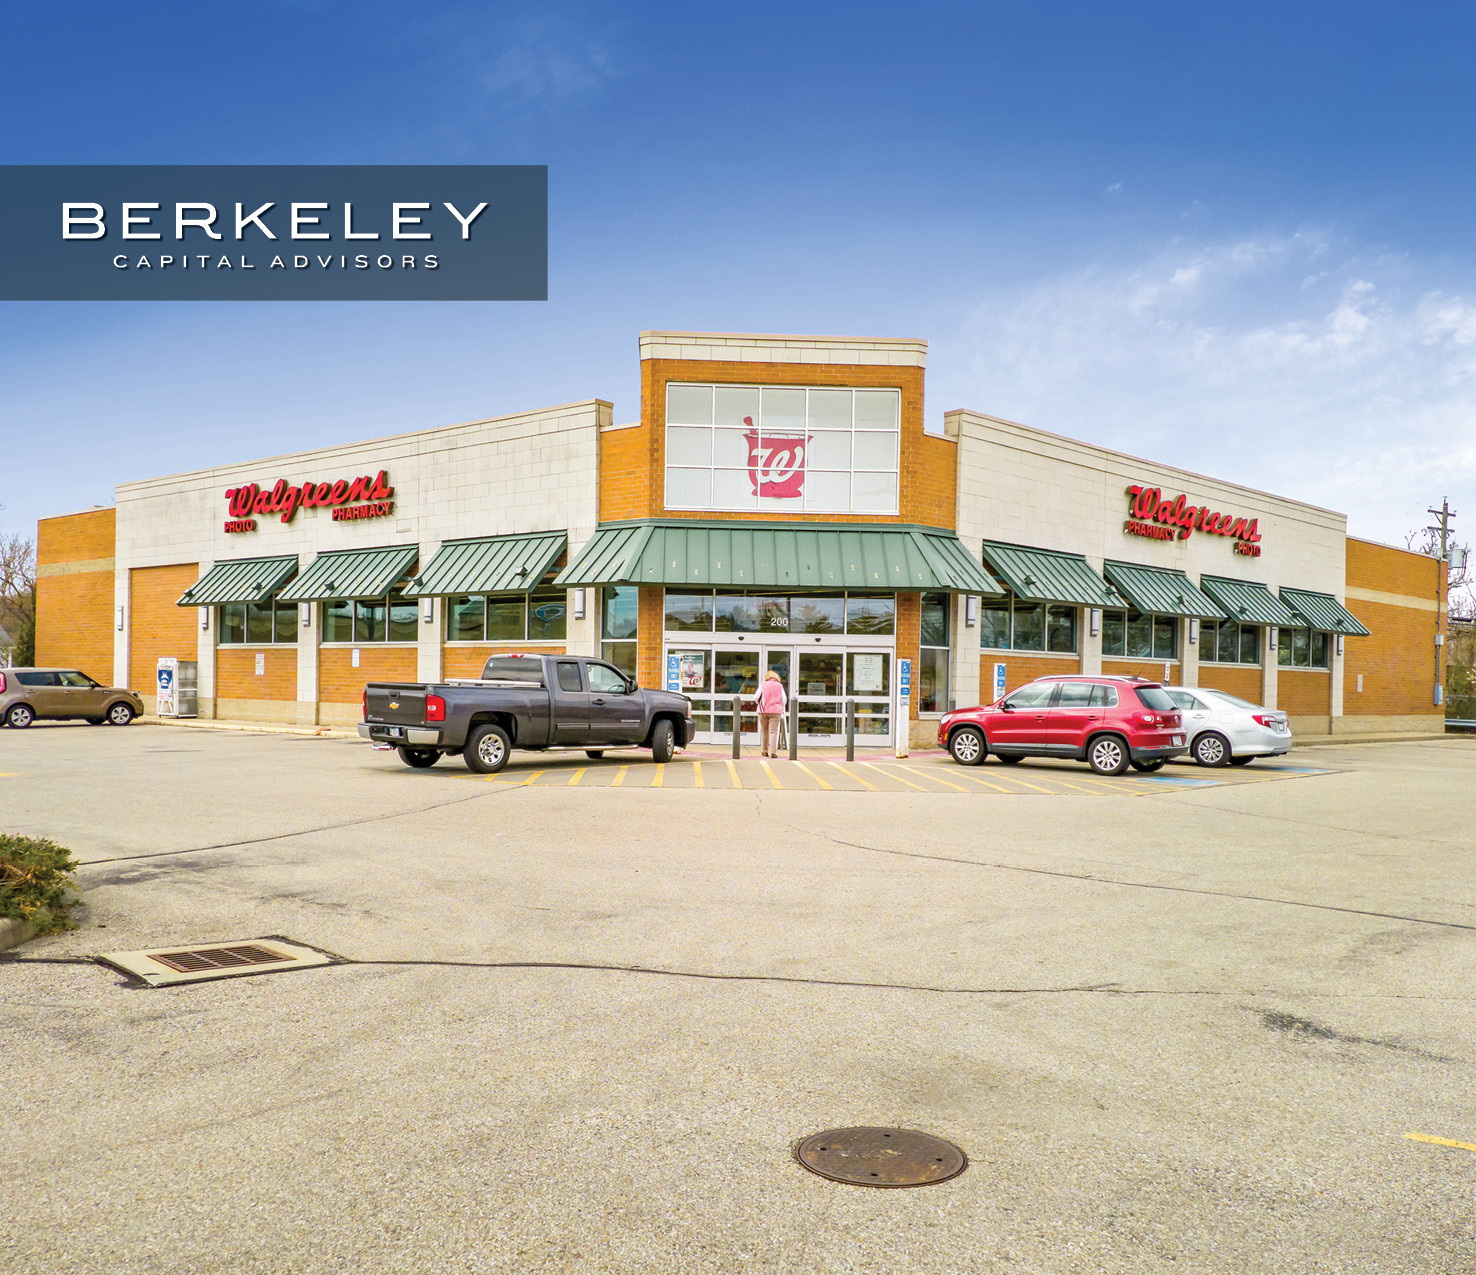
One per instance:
(776,464)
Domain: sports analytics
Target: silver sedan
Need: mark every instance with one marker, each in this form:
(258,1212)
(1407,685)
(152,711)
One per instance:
(1225,730)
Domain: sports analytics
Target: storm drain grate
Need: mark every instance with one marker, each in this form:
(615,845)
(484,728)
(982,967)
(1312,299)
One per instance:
(166,966)
(870,1156)
(219,958)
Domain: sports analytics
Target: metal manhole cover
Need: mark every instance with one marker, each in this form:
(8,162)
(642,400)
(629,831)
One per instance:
(219,958)
(881,1157)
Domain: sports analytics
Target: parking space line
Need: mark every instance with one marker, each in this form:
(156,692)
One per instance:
(1441,1142)
(697,775)
(733,774)
(532,779)
(987,783)
(773,778)
(659,778)
(871,765)
(858,778)
(619,777)
(576,777)
(1095,792)
(936,778)
(1037,787)
(813,776)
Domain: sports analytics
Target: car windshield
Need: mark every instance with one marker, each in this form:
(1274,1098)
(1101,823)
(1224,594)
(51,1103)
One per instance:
(1156,698)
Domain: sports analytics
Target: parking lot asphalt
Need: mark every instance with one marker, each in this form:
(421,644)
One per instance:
(581,1026)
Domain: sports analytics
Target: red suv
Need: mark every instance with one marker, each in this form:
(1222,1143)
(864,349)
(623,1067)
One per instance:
(1106,722)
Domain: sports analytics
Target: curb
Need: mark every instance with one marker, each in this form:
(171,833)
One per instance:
(14,931)
(1337,741)
(251,728)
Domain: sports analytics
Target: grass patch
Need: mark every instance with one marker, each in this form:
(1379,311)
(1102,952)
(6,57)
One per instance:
(35,878)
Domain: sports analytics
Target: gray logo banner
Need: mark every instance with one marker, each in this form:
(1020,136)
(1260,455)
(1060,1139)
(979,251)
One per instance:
(274,233)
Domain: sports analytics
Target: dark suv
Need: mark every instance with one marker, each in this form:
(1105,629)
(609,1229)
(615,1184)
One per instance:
(1107,722)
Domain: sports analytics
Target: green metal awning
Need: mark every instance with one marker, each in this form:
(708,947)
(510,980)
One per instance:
(1248,602)
(1043,575)
(1160,590)
(766,555)
(351,573)
(1324,612)
(239,580)
(491,564)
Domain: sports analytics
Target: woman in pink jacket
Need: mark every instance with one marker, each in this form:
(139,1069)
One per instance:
(771,705)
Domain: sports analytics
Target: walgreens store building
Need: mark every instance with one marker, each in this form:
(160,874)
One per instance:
(782,503)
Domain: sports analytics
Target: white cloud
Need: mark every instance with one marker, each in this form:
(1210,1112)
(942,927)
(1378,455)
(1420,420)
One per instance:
(1295,363)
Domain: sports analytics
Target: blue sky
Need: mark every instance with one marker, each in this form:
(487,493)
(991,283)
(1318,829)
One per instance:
(1236,240)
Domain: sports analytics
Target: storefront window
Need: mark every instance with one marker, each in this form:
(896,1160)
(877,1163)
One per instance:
(689,612)
(1029,626)
(1301,648)
(619,623)
(1136,636)
(364,620)
(932,661)
(871,616)
(817,615)
(1222,642)
(508,617)
(994,624)
(1010,624)
(256,623)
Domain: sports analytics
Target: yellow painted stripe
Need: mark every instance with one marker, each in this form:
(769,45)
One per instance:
(1037,787)
(871,765)
(619,777)
(659,777)
(968,774)
(733,774)
(1441,1142)
(923,774)
(860,779)
(1069,783)
(533,778)
(576,776)
(773,778)
(697,775)
(813,775)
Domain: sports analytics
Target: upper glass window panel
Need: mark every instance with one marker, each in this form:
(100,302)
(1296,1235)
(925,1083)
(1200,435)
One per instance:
(782,449)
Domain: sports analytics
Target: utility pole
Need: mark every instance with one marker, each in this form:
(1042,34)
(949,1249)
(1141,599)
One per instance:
(1445,513)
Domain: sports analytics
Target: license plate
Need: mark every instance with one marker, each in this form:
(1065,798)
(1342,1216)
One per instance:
(1178,739)
(397,732)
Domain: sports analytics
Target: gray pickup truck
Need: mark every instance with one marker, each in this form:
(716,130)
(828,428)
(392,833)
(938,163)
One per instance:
(524,701)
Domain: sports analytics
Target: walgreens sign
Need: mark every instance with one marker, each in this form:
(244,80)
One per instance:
(1159,517)
(350,499)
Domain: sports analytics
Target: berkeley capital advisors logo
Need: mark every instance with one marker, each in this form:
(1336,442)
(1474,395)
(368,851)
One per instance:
(417,232)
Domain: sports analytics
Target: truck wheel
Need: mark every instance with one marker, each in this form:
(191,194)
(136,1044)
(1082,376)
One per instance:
(663,742)
(594,754)
(419,758)
(967,746)
(487,749)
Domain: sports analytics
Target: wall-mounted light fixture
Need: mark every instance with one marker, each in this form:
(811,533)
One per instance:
(1271,637)
(205,617)
(428,610)
(579,604)
(1094,623)
(1340,643)
(971,611)
(1193,630)
(120,619)
(305,611)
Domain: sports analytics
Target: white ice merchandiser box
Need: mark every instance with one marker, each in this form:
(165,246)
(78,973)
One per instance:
(176,684)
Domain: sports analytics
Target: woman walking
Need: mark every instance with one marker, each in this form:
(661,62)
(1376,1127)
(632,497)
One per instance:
(771,704)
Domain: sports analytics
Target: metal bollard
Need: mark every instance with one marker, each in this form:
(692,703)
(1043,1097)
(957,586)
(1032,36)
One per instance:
(793,728)
(737,728)
(850,730)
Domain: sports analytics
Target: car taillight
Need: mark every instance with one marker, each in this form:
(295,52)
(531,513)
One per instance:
(1146,719)
(435,708)
(2,683)
(1263,719)
(365,699)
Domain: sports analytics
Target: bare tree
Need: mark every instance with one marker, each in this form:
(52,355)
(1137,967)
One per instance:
(1461,582)
(17,565)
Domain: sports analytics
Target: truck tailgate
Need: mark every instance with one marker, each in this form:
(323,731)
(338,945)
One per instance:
(399,704)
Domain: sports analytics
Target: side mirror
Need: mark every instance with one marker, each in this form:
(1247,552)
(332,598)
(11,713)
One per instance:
(1004,706)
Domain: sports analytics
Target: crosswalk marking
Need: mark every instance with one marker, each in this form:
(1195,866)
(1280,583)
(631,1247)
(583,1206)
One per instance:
(768,770)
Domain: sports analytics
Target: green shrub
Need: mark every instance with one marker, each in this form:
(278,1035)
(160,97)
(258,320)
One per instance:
(35,876)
